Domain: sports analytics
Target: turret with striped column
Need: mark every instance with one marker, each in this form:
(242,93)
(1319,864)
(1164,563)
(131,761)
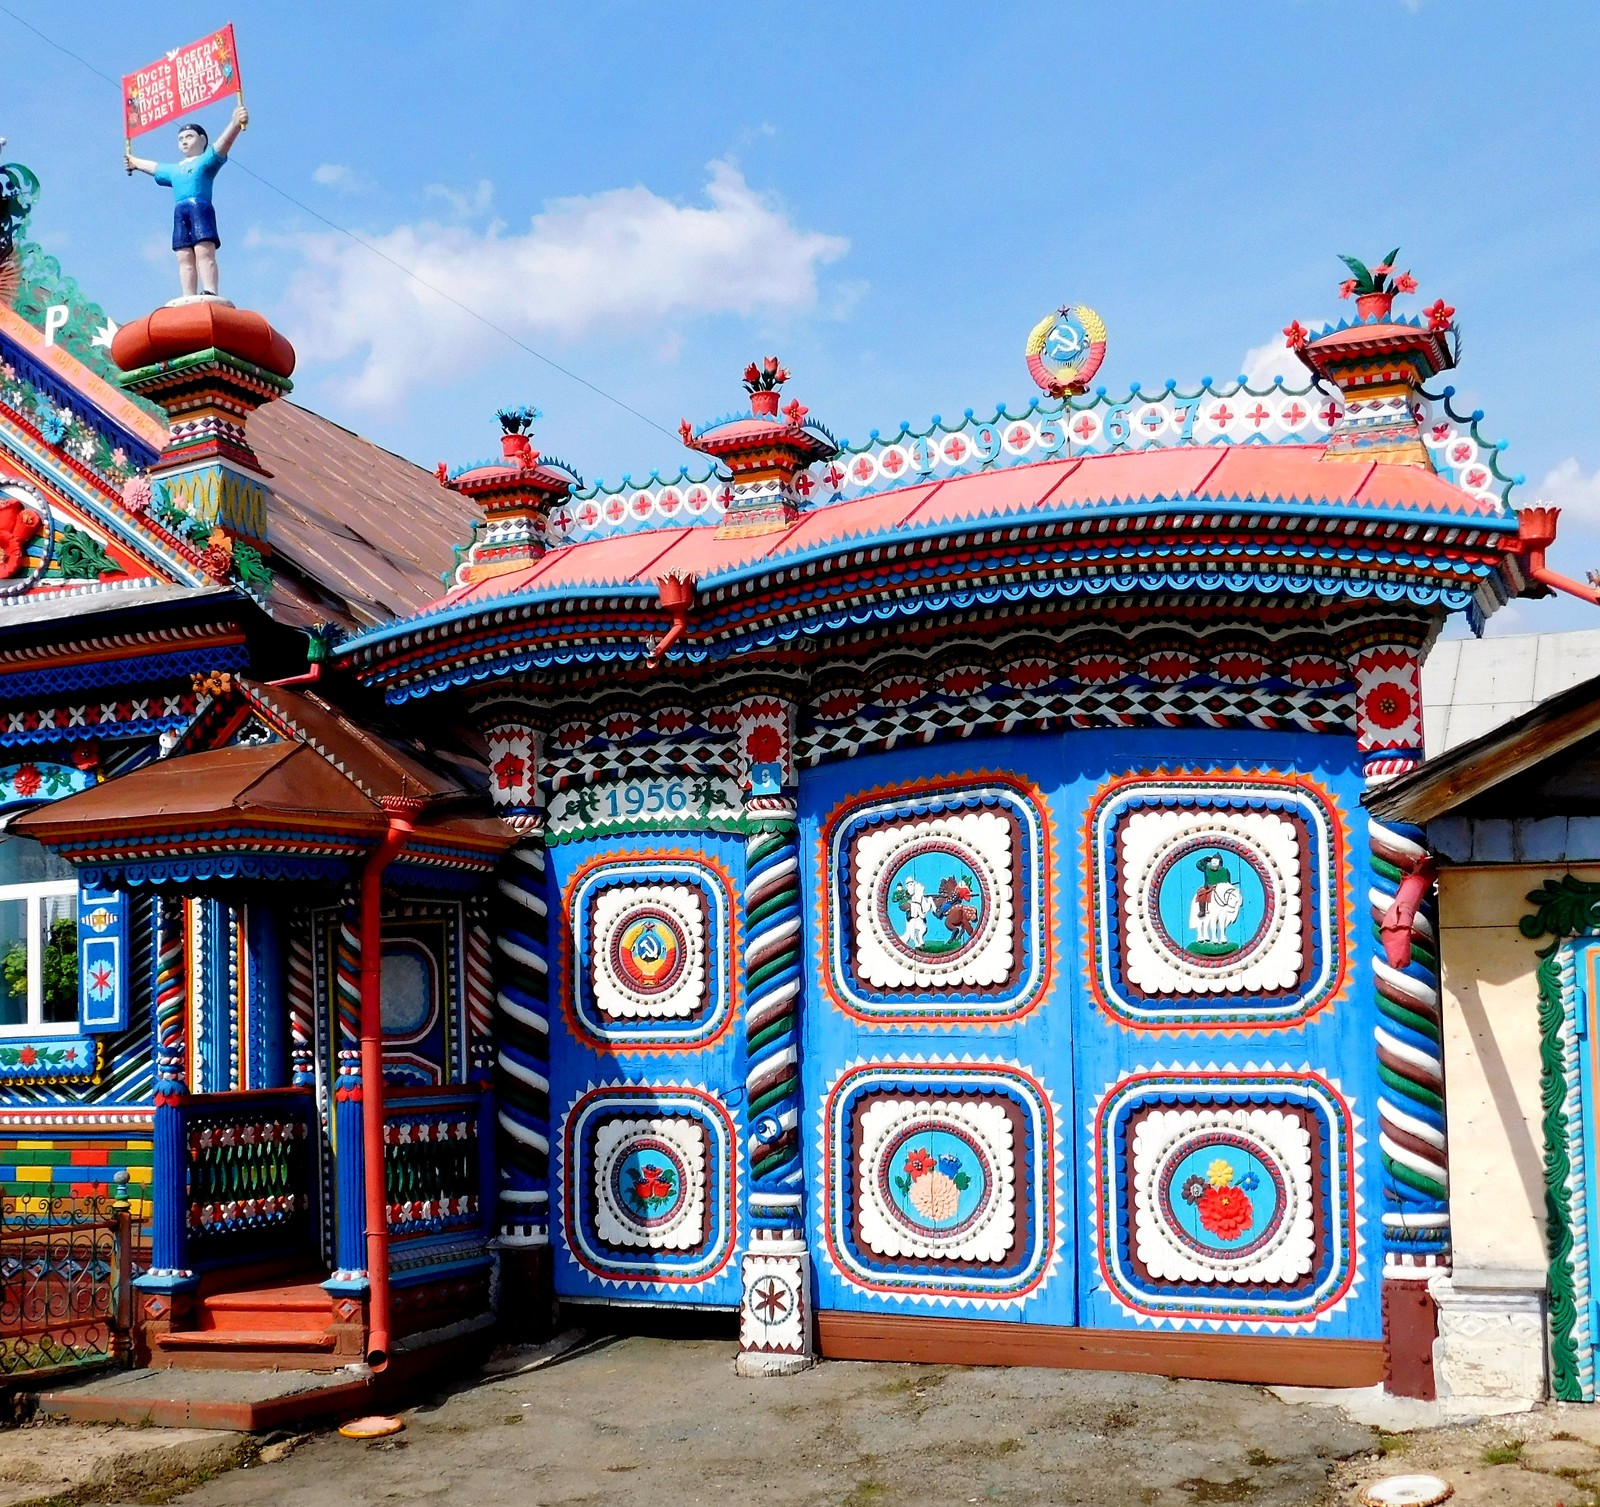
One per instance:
(775,1312)
(1408,1035)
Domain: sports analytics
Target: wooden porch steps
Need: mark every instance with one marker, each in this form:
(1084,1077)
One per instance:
(282,1325)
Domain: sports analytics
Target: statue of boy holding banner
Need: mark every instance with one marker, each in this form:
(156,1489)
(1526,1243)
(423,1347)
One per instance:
(194,220)
(182,80)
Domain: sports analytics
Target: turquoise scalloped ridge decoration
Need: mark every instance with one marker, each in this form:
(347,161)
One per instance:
(1096,423)
(1565,907)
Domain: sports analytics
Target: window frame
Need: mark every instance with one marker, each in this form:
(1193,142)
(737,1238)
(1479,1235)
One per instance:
(34,892)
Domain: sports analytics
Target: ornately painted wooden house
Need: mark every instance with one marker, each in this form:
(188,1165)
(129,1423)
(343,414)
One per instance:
(132,613)
(947,924)
(930,907)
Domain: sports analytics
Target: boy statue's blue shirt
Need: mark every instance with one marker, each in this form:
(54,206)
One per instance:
(191,177)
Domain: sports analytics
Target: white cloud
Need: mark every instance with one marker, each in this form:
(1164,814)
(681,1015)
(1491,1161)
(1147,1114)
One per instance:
(463,204)
(1570,489)
(621,263)
(344,180)
(1273,358)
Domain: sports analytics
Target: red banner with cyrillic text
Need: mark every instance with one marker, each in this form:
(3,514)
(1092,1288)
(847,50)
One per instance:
(185,79)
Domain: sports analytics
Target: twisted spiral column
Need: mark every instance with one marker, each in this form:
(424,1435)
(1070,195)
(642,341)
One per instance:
(522,1029)
(1410,1042)
(1409,1036)
(302,996)
(772,1012)
(169,1191)
(172,1002)
(479,1001)
(350,1166)
(775,1307)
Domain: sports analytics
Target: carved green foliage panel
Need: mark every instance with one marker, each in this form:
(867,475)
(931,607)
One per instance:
(1563,908)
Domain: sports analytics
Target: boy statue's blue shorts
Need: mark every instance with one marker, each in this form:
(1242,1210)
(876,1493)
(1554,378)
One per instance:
(193,221)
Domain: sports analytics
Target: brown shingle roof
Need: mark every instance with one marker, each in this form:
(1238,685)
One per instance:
(359,535)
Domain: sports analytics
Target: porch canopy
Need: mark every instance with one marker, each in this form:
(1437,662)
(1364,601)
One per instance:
(274,783)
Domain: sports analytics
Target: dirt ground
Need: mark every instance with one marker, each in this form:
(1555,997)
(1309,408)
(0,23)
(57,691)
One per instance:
(645,1422)
(649,1422)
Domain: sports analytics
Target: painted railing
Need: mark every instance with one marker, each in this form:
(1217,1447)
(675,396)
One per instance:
(251,1184)
(434,1170)
(66,1270)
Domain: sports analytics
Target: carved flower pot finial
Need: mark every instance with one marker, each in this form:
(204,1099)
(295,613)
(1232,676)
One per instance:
(1374,288)
(762,379)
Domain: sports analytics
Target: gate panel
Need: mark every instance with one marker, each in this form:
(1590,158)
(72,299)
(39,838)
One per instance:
(938,1037)
(1225,1034)
(1089,1035)
(647,1067)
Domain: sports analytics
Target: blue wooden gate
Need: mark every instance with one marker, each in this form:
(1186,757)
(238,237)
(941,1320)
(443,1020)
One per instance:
(646,1063)
(1089,1039)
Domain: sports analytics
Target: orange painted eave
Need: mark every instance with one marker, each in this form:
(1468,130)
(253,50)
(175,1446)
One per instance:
(112,402)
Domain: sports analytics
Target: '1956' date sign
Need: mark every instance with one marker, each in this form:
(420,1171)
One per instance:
(686,802)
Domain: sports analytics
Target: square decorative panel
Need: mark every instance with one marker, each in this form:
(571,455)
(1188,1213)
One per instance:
(936,903)
(939,1181)
(649,952)
(1226,1195)
(1216,901)
(649,1183)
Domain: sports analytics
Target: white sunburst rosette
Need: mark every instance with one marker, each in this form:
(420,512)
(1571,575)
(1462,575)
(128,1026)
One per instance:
(980,839)
(987,1232)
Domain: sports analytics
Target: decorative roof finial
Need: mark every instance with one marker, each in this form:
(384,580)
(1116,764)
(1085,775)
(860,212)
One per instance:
(518,493)
(1379,362)
(762,379)
(1374,288)
(764,454)
(1065,349)
(516,425)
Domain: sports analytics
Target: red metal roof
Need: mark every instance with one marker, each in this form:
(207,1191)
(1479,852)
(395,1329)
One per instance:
(1294,475)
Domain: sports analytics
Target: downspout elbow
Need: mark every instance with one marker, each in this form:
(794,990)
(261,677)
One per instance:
(676,592)
(1395,928)
(1536,532)
(402,813)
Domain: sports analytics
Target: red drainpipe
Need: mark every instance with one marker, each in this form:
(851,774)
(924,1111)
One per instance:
(676,592)
(1395,928)
(316,652)
(1536,532)
(402,810)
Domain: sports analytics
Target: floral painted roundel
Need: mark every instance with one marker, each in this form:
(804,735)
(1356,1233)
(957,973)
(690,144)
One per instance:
(649,1180)
(936,1180)
(1223,1195)
(939,1178)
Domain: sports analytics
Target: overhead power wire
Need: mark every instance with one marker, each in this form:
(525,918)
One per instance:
(377,251)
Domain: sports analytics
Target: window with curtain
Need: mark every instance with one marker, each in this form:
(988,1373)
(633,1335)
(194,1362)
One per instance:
(38,938)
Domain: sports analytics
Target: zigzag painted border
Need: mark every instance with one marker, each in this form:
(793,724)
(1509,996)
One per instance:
(1174,1085)
(949,1075)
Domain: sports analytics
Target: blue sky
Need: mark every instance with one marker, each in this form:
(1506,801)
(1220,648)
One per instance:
(887,195)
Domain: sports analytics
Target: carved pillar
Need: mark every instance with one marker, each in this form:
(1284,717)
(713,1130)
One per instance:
(775,1330)
(520,1024)
(478,1064)
(166,1289)
(350,1221)
(1409,1033)
(302,1004)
